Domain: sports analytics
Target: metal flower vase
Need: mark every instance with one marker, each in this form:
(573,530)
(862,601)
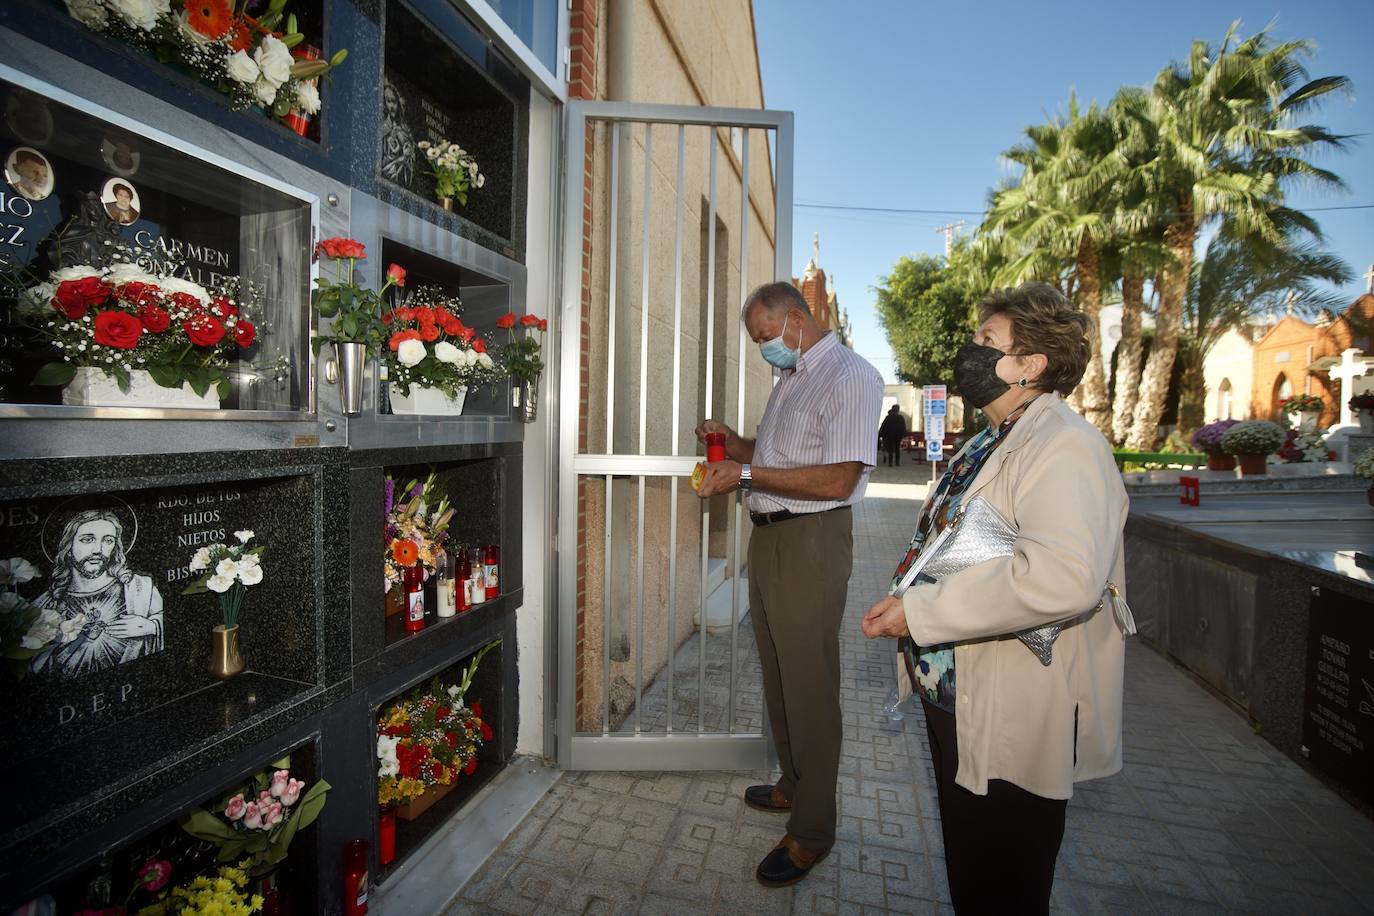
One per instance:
(225,658)
(351,359)
(525,398)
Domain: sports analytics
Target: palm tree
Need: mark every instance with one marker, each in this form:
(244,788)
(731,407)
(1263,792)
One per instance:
(1051,222)
(1226,144)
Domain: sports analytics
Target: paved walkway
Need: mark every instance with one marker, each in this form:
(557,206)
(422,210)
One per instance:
(1206,816)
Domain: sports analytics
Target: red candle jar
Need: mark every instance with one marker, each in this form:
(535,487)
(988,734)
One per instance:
(463,583)
(296,119)
(491,562)
(715,446)
(355,883)
(415,598)
(386,836)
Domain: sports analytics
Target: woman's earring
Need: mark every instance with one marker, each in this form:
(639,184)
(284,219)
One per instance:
(1022,383)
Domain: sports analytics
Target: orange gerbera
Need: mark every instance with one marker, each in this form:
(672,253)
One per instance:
(211,18)
(404,552)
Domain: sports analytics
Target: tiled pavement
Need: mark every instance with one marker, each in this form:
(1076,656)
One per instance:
(1206,817)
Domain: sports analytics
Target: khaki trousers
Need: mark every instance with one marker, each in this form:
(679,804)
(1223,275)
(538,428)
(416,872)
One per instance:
(798,579)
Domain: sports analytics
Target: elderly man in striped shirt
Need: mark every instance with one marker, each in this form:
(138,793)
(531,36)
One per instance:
(816,446)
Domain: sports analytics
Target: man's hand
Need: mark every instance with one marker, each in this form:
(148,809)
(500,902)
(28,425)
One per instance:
(714,426)
(721,477)
(886,618)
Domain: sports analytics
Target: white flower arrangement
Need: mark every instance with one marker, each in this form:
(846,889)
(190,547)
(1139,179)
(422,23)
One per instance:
(26,629)
(228,570)
(454,169)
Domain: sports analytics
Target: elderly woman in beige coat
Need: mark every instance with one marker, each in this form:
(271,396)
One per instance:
(1010,735)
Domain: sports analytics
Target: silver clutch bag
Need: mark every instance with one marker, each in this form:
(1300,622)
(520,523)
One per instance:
(979,533)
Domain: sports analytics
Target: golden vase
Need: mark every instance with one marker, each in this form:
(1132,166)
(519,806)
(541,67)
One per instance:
(225,658)
(446,203)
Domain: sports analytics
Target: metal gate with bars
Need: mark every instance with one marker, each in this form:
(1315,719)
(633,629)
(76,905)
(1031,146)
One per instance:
(656,664)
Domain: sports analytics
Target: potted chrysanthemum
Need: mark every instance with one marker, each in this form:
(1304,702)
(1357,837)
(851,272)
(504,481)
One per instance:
(1364,467)
(1207,439)
(1303,410)
(1252,441)
(1363,405)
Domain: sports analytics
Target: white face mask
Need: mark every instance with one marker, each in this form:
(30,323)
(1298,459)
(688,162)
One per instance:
(778,353)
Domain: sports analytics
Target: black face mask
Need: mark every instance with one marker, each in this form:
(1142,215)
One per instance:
(975,374)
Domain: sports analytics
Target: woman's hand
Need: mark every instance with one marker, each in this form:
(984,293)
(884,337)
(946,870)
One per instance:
(886,618)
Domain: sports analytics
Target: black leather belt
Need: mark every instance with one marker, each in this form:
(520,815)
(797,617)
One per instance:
(782,515)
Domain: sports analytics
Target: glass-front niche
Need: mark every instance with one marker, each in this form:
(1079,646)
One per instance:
(137,274)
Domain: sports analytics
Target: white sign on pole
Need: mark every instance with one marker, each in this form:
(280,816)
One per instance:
(935,428)
(933,400)
(935,449)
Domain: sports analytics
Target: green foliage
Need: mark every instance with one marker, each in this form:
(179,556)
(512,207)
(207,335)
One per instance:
(1253,437)
(927,309)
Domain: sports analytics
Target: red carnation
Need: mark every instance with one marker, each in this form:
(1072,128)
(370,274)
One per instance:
(245,333)
(425,315)
(442,314)
(466,334)
(441,713)
(117,329)
(471,766)
(187,301)
(222,307)
(477,708)
(397,273)
(506,321)
(429,332)
(529,321)
(73,297)
(405,313)
(479,345)
(401,336)
(451,738)
(486,732)
(138,293)
(204,330)
(154,317)
(436,769)
(543,324)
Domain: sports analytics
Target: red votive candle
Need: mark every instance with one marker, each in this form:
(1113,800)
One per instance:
(355,878)
(491,563)
(386,836)
(415,598)
(715,446)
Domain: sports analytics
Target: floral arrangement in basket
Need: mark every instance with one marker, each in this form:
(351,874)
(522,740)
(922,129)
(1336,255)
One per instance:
(520,354)
(1364,464)
(26,630)
(416,527)
(1362,401)
(430,347)
(134,313)
(1299,446)
(228,570)
(1302,403)
(248,59)
(1253,437)
(454,169)
(429,738)
(224,894)
(260,819)
(1208,438)
(356,311)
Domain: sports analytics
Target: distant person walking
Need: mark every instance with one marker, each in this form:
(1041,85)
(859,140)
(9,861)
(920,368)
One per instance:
(891,433)
(1009,732)
(817,443)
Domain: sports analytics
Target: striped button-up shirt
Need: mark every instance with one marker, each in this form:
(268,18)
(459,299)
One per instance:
(825,411)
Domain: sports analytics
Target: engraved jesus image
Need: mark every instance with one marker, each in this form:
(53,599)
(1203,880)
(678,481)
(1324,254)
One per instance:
(119,611)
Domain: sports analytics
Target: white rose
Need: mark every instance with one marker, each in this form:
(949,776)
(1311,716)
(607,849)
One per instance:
(74,273)
(241,68)
(308,98)
(250,575)
(90,13)
(274,59)
(43,631)
(244,536)
(171,285)
(218,583)
(410,352)
(201,561)
(485,360)
(265,90)
(469,357)
(227,568)
(446,352)
(141,14)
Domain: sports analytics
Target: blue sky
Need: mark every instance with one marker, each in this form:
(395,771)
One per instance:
(908,103)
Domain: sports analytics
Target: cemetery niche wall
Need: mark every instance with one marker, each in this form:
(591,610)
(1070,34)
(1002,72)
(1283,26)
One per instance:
(138,274)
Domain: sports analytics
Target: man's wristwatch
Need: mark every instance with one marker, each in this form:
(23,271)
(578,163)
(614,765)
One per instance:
(746,478)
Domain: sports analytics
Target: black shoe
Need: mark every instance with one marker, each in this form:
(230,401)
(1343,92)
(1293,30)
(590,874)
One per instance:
(781,866)
(767,798)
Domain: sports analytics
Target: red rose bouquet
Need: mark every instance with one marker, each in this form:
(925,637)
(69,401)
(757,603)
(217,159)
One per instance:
(356,311)
(520,354)
(429,346)
(429,739)
(138,315)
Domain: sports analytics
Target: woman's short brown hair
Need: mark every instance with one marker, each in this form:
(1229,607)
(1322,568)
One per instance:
(1043,321)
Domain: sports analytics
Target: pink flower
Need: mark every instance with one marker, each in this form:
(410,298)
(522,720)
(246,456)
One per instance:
(252,817)
(272,816)
(155,874)
(279,780)
(264,799)
(293,792)
(234,810)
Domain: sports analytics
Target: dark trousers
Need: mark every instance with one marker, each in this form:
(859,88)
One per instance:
(1000,848)
(798,578)
(893,447)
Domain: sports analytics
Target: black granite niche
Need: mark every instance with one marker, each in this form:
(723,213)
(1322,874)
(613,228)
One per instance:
(447,82)
(488,688)
(110,880)
(485,299)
